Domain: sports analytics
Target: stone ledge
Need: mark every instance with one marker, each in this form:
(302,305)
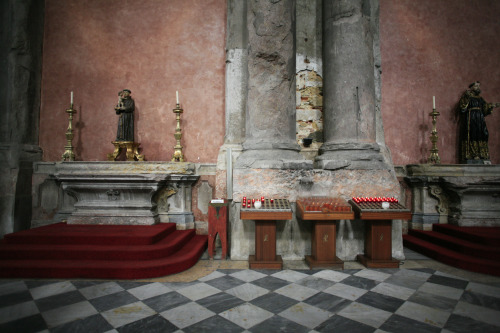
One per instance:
(122,167)
(460,194)
(453,170)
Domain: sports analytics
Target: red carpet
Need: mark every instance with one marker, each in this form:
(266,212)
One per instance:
(476,249)
(99,251)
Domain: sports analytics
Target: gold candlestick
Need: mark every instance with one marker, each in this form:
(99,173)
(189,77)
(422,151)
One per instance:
(434,158)
(178,156)
(69,155)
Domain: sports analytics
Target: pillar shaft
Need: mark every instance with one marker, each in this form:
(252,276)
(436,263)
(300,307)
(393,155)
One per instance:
(349,100)
(349,84)
(270,114)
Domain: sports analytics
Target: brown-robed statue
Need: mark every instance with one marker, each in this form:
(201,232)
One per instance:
(125,109)
(472,110)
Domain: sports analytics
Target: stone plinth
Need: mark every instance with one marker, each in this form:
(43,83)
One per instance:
(292,183)
(460,194)
(114,192)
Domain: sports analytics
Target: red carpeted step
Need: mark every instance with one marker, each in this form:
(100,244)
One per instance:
(166,246)
(458,244)
(481,235)
(452,258)
(183,259)
(62,233)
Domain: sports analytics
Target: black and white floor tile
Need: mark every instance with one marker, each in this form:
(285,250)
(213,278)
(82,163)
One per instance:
(356,300)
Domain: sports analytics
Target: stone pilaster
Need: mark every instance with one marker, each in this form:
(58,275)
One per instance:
(21,39)
(236,71)
(236,95)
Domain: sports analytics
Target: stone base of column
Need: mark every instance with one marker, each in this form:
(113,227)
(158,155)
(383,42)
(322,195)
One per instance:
(353,156)
(272,159)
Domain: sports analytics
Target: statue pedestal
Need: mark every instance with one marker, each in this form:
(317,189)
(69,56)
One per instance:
(131,151)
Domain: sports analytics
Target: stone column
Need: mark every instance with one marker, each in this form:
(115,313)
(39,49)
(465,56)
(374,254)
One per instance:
(270,159)
(270,109)
(349,89)
(353,131)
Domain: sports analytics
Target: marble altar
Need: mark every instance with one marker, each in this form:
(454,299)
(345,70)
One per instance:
(460,194)
(113,192)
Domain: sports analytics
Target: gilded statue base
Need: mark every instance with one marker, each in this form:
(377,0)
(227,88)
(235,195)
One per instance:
(131,147)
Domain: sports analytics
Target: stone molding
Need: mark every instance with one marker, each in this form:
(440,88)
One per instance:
(460,194)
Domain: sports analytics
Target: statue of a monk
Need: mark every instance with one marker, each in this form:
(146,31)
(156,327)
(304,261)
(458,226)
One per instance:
(473,132)
(125,109)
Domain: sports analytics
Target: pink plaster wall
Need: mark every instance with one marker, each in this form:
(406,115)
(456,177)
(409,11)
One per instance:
(436,48)
(96,48)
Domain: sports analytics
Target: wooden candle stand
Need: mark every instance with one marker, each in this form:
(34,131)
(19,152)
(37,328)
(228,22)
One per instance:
(265,232)
(323,213)
(378,232)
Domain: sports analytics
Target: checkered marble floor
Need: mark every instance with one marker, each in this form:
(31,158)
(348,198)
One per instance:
(361,300)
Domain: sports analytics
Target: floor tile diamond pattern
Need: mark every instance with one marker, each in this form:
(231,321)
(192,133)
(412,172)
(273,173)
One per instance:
(363,300)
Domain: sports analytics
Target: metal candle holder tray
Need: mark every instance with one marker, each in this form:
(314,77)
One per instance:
(279,209)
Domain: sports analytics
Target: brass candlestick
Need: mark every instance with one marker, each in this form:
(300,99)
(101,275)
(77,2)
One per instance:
(69,155)
(178,156)
(434,158)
